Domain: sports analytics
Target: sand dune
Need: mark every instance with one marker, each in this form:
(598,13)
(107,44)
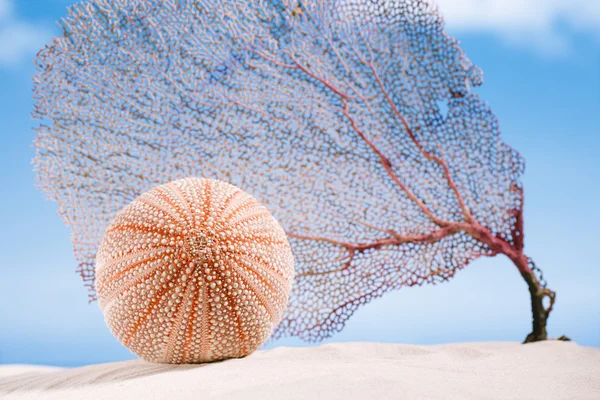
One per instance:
(548,370)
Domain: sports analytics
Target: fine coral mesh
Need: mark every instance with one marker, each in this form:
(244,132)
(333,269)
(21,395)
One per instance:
(352,121)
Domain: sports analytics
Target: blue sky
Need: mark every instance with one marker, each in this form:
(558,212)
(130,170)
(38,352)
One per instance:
(541,60)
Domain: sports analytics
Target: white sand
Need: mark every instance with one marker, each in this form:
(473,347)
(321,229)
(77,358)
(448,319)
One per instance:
(548,370)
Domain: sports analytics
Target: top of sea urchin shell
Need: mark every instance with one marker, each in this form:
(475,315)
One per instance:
(195,270)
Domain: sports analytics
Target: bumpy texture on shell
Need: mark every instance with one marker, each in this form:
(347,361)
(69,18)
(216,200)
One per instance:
(193,271)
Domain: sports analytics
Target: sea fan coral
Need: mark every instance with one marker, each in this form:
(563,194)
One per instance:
(193,271)
(353,121)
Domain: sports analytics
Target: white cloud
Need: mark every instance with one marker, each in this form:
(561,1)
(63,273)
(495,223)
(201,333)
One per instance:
(19,40)
(5,9)
(546,25)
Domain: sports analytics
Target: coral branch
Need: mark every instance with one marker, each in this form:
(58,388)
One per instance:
(385,162)
(387,165)
(396,240)
(426,154)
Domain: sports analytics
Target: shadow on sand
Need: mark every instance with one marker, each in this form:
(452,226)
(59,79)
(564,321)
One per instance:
(86,376)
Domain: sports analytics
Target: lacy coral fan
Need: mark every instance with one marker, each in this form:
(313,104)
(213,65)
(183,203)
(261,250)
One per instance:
(353,121)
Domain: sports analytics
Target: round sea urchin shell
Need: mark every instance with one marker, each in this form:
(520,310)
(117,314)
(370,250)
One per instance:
(193,271)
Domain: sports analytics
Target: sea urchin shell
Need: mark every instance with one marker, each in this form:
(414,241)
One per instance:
(193,271)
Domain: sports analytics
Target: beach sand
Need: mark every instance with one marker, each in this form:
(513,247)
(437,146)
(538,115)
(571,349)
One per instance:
(486,370)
